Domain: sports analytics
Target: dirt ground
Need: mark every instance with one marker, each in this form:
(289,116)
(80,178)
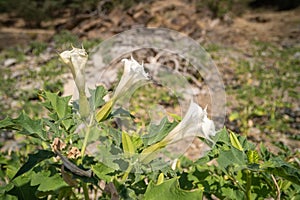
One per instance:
(280,27)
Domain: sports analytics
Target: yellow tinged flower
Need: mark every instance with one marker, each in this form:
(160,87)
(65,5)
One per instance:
(194,123)
(133,77)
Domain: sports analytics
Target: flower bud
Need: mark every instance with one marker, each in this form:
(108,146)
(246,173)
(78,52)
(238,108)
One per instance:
(76,60)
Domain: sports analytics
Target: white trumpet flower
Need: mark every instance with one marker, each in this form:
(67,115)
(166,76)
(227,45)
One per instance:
(76,60)
(194,123)
(133,76)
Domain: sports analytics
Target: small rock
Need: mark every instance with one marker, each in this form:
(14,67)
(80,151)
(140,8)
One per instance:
(10,61)
(297,55)
(214,23)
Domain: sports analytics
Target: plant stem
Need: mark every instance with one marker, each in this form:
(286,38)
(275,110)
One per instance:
(125,176)
(86,137)
(277,187)
(85,191)
(248,186)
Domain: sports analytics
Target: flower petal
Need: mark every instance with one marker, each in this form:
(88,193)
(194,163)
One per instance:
(194,123)
(134,75)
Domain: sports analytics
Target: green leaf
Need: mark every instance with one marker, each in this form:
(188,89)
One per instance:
(136,140)
(102,171)
(30,127)
(25,125)
(265,154)
(60,106)
(284,170)
(231,193)
(6,123)
(127,144)
(47,182)
(122,112)
(232,157)
(158,132)
(103,113)
(170,190)
(96,98)
(107,157)
(234,116)
(221,137)
(24,192)
(33,160)
(234,141)
(4,189)
(160,179)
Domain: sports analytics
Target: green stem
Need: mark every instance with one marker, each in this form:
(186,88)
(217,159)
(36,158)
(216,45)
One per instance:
(85,191)
(236,182)
(84,107)
(125,176)
(86,137)
(248,186)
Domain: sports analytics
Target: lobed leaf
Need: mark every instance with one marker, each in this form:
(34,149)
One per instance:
(46,182)
(232,157)
(103,171)
(170,190)
(96,98)
(60,106)
(158,132)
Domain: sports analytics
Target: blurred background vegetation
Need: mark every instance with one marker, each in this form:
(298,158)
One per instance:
(36,11)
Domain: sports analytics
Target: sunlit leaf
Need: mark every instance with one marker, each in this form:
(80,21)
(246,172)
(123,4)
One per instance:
(46,182)
(60,106)
(235,141)
(103,171)
(30,127)
(234,116)
(160,179)
(221,136)
(231,193)
(104,111)
(6,123)
(170,190)
(127,144)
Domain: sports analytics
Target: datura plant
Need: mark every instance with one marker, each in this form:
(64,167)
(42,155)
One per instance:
(80,153)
